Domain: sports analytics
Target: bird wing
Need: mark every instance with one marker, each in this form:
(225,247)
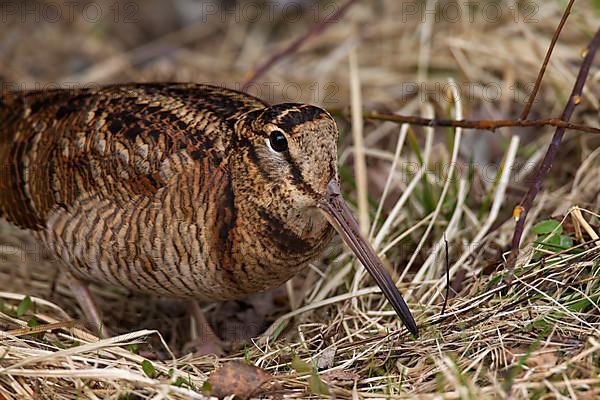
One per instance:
(116,142)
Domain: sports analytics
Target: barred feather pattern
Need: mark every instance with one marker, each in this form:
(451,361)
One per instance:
(162,188)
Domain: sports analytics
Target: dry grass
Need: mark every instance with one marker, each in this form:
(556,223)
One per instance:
(540,337)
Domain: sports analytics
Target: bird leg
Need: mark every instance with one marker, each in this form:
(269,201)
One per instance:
(82,293)
(204,339)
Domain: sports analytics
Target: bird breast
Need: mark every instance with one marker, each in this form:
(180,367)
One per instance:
(268,249)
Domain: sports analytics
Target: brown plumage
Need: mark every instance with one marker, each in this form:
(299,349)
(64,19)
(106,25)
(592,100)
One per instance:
(181,190)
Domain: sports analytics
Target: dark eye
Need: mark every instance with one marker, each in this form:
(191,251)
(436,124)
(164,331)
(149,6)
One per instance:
(278,141)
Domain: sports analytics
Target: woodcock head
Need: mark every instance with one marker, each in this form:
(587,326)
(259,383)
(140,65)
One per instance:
(287,162)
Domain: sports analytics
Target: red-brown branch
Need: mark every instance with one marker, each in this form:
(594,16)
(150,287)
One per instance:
(538,81)
(296,44)
(484,124)
(553,148)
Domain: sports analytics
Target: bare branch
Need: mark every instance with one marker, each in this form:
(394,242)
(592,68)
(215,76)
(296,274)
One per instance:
(552,151)
(484,124)
(296,44)
(538,81)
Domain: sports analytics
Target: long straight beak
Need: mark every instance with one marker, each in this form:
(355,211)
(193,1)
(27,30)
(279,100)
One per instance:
(339,215)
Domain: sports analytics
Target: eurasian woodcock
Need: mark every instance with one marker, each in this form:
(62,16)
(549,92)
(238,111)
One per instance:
(181,190)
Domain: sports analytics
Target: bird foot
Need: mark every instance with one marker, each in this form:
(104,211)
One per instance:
(204,340)
(202,347)
(83,296)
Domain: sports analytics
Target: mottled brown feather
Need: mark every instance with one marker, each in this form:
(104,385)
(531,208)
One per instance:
(162,188)
(57,145)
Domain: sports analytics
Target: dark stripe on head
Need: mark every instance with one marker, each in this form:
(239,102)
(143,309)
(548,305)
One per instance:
(253,157)
(299,114)
(297,176)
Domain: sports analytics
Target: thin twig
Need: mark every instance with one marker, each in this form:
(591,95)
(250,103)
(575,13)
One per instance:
(295,45)
(552,151)
(447,276)
(483,124)
(540,76)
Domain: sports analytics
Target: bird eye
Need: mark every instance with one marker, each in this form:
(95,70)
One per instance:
(278,141)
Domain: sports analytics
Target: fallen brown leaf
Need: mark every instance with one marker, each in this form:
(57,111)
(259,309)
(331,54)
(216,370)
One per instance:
(537,359)
(543,360)
(236,378)
(340,376)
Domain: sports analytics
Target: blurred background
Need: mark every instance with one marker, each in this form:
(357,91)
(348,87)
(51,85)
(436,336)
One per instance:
(405,49)
(406,57)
